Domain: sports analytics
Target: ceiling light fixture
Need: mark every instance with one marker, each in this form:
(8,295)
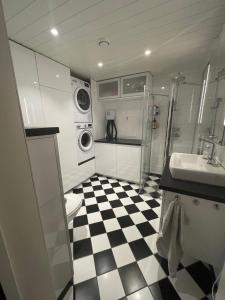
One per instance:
(100,64)
(147,52)
(163,87)
(103,43)
(54,32)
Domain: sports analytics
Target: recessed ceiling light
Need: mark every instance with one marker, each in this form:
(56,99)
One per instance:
(163,87)
(148,52)
(54,32)
(100,64)
(57,75)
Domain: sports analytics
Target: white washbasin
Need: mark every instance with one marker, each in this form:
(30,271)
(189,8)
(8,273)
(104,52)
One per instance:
(193,167)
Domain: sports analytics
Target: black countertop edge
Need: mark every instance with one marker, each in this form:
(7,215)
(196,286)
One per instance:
(38,131)
(131,142)
(195,189)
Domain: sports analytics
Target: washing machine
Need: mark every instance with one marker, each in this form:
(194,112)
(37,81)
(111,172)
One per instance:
(81,100)
(85,142)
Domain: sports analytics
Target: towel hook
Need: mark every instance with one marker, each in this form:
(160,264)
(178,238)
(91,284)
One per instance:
(177,197)
(195,202)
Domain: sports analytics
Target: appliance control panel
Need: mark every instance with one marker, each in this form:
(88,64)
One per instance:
(110,115)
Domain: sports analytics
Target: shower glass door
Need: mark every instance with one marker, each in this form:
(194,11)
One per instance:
(146,138)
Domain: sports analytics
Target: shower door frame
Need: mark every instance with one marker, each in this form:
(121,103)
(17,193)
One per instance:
(146,145)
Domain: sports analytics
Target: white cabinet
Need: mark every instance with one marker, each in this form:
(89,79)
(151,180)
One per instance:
(109,88)
(105,159)
(53,74)
(27,85)
(120,161)
(126,86)
(128,162)
(133,85)
(203,238)
(58,107)
(43,155)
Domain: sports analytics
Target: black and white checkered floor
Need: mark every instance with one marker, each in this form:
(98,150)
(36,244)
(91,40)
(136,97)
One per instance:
(113,244)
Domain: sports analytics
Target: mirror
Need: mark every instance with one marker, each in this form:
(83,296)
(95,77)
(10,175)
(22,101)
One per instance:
(211,117)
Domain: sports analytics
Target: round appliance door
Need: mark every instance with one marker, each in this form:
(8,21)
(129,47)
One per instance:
(82,100)
(85,140)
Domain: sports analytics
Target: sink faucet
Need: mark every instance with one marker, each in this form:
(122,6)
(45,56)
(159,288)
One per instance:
(211,157)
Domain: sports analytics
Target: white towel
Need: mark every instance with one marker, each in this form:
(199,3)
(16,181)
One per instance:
(169,241)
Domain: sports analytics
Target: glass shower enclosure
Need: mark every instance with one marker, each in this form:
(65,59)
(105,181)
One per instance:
(147,117)
(184,107)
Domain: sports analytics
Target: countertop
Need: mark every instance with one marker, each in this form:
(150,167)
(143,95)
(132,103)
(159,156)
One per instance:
(38,131)
(205,191)
(131,142)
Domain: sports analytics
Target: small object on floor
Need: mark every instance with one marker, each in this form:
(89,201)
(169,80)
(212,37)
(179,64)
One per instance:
(73,204)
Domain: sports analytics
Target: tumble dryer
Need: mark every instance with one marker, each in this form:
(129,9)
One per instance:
(85,142)
(81,100)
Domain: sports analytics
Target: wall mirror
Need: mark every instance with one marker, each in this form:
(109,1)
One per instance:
(211,117)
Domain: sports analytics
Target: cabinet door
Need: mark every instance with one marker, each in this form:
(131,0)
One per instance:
(133,85)
(48,185)
(27,85)
(53,74)
(108,88)
(58,107)
(105,159)
(128,162)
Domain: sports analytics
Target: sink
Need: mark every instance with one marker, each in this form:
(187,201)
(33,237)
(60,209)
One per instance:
(193,167)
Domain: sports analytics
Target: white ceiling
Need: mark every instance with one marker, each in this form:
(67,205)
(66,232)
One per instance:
(179,33)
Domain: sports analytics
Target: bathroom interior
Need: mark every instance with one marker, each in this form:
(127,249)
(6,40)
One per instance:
(112,118)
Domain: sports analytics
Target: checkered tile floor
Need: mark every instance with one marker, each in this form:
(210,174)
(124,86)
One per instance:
(113,244)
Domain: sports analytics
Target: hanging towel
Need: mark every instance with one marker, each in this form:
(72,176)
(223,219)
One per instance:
(169,241)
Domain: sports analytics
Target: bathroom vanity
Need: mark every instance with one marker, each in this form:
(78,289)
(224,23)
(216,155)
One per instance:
(119,158)
(204,210)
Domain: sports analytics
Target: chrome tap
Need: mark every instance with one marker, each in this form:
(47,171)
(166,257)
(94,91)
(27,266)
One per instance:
(211,156)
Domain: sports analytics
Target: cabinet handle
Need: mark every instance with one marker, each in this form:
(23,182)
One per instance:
(216,206)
